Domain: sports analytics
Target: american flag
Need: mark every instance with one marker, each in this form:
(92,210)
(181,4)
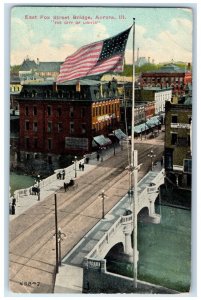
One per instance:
(96,58)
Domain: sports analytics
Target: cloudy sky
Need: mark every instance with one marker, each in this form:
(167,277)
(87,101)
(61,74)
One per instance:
(53,33)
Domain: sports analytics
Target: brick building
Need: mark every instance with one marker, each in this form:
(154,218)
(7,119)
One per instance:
(178,159)
(64,119)
(168,76)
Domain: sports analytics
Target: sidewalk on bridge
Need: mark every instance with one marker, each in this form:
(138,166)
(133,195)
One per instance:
(25,202)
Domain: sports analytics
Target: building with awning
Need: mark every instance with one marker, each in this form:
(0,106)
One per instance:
(120,134)
(101,141)
(141,128)
(152,122)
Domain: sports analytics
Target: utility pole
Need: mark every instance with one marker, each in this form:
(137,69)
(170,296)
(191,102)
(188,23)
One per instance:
(56,232)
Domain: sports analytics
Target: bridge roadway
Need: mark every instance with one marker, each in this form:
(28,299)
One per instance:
(31,245)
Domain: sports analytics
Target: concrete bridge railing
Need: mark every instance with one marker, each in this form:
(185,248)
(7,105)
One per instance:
(118,233)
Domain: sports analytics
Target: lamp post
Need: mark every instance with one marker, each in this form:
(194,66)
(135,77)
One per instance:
(151,155)
(102,195)
(75,162)
(60,234)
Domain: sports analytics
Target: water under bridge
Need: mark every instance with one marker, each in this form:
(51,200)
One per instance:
(85,266)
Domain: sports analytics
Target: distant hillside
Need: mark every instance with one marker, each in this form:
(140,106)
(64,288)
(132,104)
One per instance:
(128,69)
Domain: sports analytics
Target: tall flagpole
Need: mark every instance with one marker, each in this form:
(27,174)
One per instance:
(134,171)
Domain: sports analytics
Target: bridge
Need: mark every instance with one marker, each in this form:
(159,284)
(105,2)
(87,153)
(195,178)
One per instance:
(111,236)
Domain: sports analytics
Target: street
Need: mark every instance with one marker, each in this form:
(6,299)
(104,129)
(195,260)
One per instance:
(32,242)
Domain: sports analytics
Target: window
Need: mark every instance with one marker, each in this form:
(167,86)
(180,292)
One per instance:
(26,125)
(60,127)
(83,127)
(173,138)
(49,110)
(94,111)
(27,110)
(35,126)
(174,119)
(188,166)
(83,112)
(35,143)
(71,112)
(189,140)
(49,126)
(182,141)
(35,110)
(71,127)
(59,111)
(49,144)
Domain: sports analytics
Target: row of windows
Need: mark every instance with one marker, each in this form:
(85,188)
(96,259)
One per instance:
(175,119)
(180,141)
(14,89)
(34,110)
(35,143)
(105,109)
(58,126)
(163,79)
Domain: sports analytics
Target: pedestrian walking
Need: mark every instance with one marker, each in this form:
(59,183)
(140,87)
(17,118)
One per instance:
(87,160)
(98,157)
(63,173)
(13,209)
(82,167)
(161,161)
(65,186)
(14,201)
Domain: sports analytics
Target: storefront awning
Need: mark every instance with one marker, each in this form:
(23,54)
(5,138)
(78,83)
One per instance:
(141,128)
(120,134)
(102,141)
(154,121)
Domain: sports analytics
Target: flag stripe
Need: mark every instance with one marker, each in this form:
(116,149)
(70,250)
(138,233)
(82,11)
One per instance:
(104,67)
(100,57)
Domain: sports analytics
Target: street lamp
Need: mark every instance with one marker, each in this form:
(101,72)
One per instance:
(151,155)
(103,196)
(59,236)
(75,162)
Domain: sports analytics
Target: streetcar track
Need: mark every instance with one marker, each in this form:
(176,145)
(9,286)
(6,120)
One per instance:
(76,203)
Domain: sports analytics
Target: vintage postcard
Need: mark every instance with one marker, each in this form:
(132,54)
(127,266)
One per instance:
(100,150)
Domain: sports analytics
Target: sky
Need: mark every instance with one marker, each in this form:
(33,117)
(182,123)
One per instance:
(53,33)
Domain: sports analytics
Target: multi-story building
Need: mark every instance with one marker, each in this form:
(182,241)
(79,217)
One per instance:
(178,159)
(168,76)
(15,88)
(56,120)
(31,70)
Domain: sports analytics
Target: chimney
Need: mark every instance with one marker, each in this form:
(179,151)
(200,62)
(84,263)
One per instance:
(37,61)
(54,87)
(78,86)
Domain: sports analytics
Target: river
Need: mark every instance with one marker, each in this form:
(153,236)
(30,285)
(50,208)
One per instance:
(18,181)
(164,251)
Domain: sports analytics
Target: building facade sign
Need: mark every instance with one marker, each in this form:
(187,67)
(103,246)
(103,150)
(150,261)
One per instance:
(180,125)
(76,143)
